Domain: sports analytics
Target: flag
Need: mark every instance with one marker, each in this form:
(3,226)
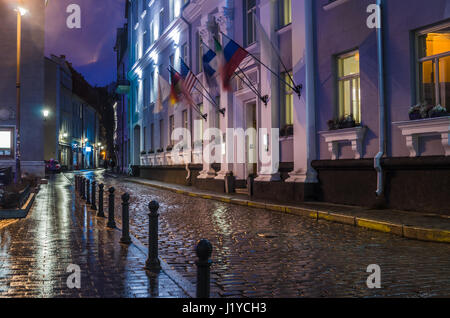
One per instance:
(188,77)
(163,94)
(210,65)
(175,86)
(233,55)
(178,90)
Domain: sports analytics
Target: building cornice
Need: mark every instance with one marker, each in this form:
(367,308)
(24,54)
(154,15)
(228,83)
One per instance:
(193,10)
(177,26)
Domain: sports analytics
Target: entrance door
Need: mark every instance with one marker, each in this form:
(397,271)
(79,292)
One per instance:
(251,139)
(137,145)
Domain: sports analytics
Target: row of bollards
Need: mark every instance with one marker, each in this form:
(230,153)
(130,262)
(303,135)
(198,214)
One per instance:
(87,191)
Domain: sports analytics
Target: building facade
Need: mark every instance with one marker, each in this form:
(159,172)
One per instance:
(121,109)
(72,123)
(31,91)
(345,137)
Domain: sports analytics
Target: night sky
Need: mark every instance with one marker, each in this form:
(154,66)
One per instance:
(89,49)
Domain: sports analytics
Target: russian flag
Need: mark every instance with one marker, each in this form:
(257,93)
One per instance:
(233,55)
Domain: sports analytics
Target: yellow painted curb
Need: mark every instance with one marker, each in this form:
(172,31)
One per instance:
(274,207)
(256,205)
(426,234)
(380,226)
(338,218)
(208,197)
(302,212)
(239,202)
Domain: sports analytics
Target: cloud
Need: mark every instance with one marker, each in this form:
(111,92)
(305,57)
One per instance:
(89,49)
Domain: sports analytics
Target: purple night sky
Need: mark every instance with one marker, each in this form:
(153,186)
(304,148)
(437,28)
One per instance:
(89,49)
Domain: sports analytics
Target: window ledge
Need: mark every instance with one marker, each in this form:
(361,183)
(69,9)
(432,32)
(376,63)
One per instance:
(355,135)
(284,29)
(334,4)
(414,129)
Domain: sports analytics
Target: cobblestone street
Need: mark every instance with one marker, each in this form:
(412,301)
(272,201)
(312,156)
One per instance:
(259,253)
(35,253)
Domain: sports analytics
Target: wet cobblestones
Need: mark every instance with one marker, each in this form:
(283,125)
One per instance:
(259,253)
(36,252)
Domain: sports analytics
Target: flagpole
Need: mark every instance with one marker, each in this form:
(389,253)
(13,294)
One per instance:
(296,89)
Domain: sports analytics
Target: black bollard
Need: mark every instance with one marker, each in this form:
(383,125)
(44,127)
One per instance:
(152,262)
(204,251)
(125,239)
(93,203)
(111,222)
(88,191)
(83,188)
(100,213)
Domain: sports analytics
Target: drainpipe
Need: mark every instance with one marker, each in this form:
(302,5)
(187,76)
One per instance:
(382,111)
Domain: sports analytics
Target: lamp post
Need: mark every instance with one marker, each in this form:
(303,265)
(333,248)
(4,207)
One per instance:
(20,12)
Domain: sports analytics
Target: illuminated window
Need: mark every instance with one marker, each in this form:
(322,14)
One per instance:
(287,100)
(6,143)
(161,133)
(185,119)
(349,92)
(434,67)
(161,22)
(250,9)
(200,53)
(185,52)
(171,128)
(285,10)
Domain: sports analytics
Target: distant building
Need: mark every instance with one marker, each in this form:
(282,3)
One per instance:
(32,87)
(121,129)
(72,127)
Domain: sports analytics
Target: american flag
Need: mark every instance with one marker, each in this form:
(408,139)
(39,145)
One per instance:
(188,77)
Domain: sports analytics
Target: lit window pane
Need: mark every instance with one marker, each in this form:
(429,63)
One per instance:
(444,81)
(5,139)
(427,82)
(435,43)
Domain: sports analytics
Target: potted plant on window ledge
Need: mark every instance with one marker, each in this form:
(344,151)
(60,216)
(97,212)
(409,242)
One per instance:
(342,123)
(438,111)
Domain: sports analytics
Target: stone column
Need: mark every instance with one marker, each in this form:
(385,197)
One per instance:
(303,58)
(224,20)
(269,145)
(207,172)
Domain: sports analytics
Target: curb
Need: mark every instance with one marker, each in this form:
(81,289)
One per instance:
(19,213)
(410,232)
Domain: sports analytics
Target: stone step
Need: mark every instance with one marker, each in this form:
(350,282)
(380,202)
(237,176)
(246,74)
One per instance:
(242,191)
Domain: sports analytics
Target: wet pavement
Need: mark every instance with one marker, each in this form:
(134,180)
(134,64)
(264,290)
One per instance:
(36,252)
(260,253)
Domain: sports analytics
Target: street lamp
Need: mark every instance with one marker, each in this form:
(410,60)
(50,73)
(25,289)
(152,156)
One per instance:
(20,12)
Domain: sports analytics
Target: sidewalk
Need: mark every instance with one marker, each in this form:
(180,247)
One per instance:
(36,252)
(412,225)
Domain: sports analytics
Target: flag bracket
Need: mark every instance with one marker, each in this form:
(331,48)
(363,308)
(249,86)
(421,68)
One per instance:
(265,99)
(298,90)
(222,111)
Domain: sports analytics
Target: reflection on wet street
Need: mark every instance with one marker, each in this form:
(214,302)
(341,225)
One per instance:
(259,253)
(36,252)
